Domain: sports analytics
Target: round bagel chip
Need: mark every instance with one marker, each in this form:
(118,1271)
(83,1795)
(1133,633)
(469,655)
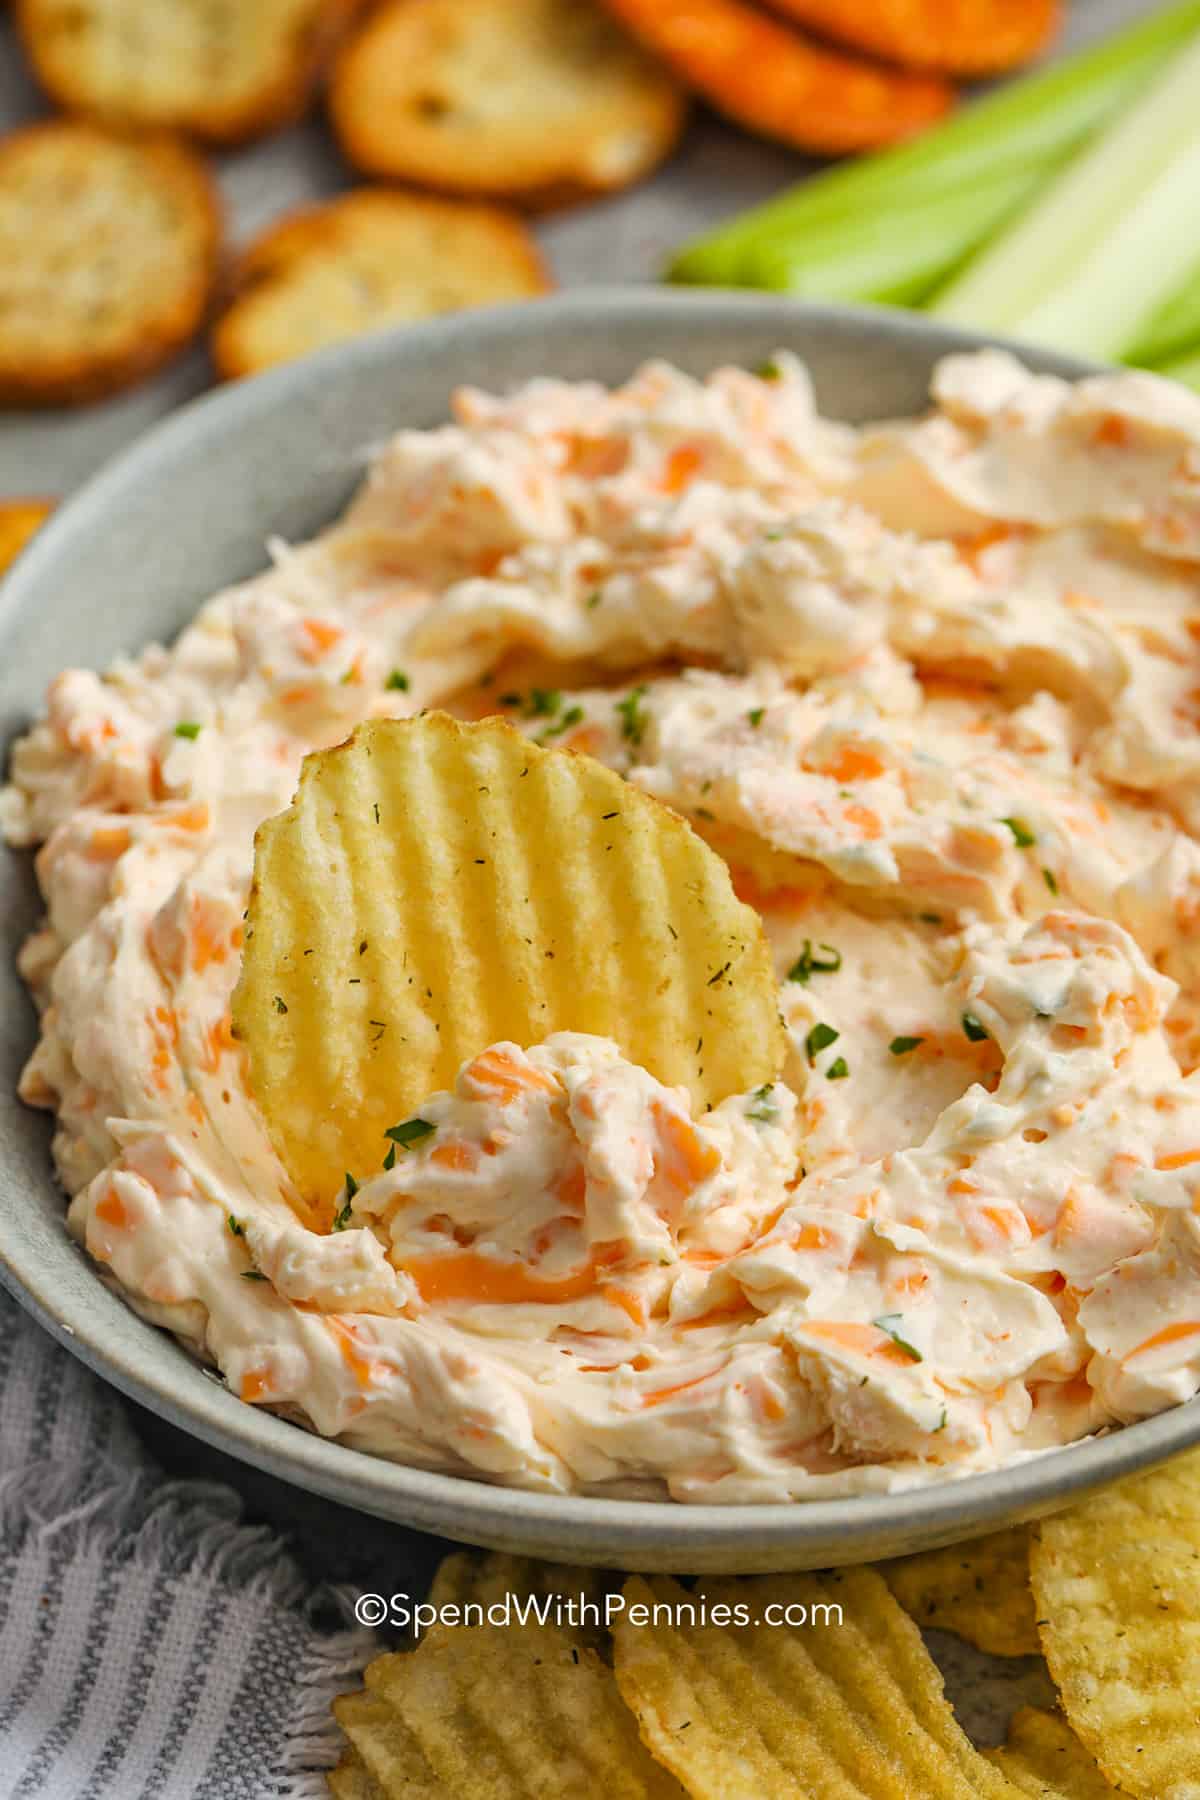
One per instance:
(369,259)
(957,37)
(438,887)
(108,253)
(533,100)
(221,72)
(1116,1582)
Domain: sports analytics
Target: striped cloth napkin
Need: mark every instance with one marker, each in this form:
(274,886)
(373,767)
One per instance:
(151,1643)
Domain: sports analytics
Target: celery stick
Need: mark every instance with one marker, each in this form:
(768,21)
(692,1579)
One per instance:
(1022,131)
(1174,328)
(1088,265)
(1186,370)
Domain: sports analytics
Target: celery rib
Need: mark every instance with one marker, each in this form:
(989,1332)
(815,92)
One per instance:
(1001,149)
(1088,265)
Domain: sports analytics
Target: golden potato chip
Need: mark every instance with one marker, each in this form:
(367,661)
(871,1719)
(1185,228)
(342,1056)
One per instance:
(979,1590)
(1043,1757)
(467,1579)
(388,1756)
(839,1706)
(504,1714)
(1116,1583)
(19,520)
(437,887)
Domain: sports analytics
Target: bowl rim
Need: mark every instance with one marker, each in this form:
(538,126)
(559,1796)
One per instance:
(177,1388)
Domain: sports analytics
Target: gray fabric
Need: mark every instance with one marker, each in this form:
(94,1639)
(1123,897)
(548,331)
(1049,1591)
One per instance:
(151,1643)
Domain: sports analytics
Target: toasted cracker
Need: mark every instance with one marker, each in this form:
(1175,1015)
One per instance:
(957,37)
(352,1780)
(535,100)
(108,251)
(220,72)
(19,520)
(779,83)
(372,258)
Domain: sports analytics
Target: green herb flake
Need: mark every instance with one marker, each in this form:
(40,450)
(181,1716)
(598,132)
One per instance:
(632,715)
(280,1004)
(572,716)
(412,1131)
(818,1039)
(824,960)
(941,1424)
(236,1227)
(188,728)
(389,1161)
(342,1218)
(756,716)
(892,1323)
(253,1275)
(397,682)
(763,1110)
(542,703)
(1050,879)
(1023,838)
(837,1070)
(769,370)
(929,918)
(900,1046)
(974,1028)
(593,600)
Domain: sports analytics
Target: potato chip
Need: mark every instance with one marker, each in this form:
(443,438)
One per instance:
(980,1590)
(438,887)
(1043,1757)
(836,1706)
(505,1714)
(1116,1583)
(467,1579)
(387,1754)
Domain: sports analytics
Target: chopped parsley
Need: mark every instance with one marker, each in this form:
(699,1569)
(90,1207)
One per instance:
(824,960)
(763,1110)
(593,600)
(633,715)
(280,1004)
(236,1226)
(397,682)
(900,1046)
(769,370)
(1022,836)
(542,703)
(974,1028)
(389,1161)
(509,699)
(412,1131)
(756,716)
(928,918)
(818,1039)
(891,1323)
(1050,879)
(188,728)
(253,1275)
(941,1424)
(342,1218)
(571,717)
(837,1070)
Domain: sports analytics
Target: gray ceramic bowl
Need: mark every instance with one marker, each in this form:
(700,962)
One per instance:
(187,511)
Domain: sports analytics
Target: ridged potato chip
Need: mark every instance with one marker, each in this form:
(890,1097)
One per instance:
(847,1708)
(438,887)
(1043,1757)
(1116,1583)
(387,1758)
(506,1714)
(979,1590)
(468,1579)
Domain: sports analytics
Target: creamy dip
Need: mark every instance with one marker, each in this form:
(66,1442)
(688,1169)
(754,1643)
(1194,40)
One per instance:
(933,690)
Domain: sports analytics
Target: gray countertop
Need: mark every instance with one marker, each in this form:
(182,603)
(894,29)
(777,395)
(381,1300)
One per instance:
(716,173)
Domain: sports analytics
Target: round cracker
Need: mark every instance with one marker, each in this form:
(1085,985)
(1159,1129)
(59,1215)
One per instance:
(108,253)
(372,258)
(536,100)
(956,37)
(19,520)
(221,72)
(779,83)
